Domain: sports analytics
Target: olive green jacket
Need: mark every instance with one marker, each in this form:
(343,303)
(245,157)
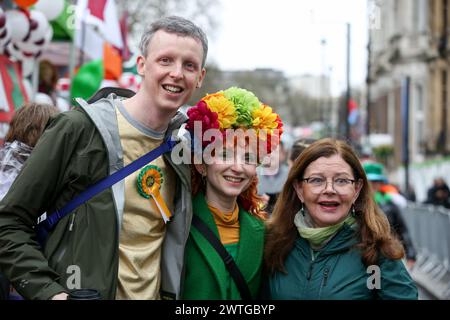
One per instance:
(79,148)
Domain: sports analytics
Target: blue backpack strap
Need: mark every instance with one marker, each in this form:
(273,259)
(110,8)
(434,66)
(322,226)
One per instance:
(103,184)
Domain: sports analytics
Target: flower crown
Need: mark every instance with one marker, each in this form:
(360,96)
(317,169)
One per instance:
(236,108)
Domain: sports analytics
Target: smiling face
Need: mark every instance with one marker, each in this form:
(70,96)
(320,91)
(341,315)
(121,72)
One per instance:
(172,70)
(328,207)
(227,179)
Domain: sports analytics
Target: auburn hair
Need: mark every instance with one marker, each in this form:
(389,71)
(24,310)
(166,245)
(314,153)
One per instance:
(374,235)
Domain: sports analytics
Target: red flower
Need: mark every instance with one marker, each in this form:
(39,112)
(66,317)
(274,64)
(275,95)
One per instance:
(201,113)
(207,118)
(280,125)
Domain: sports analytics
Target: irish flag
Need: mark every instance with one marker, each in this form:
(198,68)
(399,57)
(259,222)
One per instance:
(97,22)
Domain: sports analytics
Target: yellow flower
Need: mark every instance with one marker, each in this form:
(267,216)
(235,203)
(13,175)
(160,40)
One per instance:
(264,118)
(213,95)
(224,108)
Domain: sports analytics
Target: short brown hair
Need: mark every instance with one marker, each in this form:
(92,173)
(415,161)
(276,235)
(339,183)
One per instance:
(48,77)
(28,123)
(298,147)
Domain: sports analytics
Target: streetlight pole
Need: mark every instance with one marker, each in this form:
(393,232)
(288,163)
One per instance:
(348,93)
(323,43)
(368,83)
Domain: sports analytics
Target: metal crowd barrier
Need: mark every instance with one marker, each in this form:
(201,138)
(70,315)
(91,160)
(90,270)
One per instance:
(429,228)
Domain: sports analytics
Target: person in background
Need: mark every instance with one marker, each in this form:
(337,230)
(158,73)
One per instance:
(25,129)
(272,177)
(48,78)
(384,198)
(297,148)
(439,193)
(225,198)
(118,239)
(327,239)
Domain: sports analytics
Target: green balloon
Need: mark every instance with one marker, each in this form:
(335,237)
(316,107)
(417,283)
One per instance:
(64,25)
(88,80)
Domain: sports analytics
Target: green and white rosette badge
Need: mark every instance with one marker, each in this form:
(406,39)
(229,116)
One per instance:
(149,182)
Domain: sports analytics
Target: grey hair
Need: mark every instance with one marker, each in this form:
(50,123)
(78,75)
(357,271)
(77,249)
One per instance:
(177,25)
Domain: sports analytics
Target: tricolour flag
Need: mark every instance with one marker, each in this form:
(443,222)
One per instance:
(97,22)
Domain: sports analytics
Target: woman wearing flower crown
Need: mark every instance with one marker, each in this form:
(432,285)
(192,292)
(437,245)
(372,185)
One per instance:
(233,131)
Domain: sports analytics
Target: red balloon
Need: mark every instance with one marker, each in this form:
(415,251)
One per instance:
(25,3)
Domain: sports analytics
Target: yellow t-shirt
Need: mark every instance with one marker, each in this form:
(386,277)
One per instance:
(143,229)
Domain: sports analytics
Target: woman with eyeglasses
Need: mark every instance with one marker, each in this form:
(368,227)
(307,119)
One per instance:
(327,239)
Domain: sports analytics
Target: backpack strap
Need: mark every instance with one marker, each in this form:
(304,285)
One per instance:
(52,219)
(230,264)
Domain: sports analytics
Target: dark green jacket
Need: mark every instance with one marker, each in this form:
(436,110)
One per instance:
(337,273)
(206,274)
(79,148)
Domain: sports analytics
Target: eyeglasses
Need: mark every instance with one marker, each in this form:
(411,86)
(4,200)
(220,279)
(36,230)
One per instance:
(342,186)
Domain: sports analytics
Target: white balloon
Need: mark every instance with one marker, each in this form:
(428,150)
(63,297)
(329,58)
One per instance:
(42,26)
(48,36)
(28,47)
(18,24)
(15,53)
(27,67)
(50,8)
(6,39)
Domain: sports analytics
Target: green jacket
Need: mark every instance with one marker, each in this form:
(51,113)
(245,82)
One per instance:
(206,274)
(79,148)
(337,273)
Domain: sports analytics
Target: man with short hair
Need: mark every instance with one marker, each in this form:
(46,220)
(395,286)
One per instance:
(117,242)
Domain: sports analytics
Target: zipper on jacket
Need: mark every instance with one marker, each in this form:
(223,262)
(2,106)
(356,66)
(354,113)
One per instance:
(325,276)
(308,275)
(324,281)
(72,219)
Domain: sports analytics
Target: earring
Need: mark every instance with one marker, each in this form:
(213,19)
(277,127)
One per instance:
(353,211)
(302,210)
(203,178)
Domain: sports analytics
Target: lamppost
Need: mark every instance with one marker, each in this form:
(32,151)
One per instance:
(323,43)
(348,92)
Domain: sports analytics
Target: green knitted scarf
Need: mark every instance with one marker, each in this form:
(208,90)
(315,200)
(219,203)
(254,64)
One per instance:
(317,237)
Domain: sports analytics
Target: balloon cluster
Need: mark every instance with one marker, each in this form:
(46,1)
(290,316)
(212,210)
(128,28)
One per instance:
(24,33)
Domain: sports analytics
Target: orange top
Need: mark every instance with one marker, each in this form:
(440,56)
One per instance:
(227,224)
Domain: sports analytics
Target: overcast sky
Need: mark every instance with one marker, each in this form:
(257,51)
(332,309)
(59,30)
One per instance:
(286,35)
